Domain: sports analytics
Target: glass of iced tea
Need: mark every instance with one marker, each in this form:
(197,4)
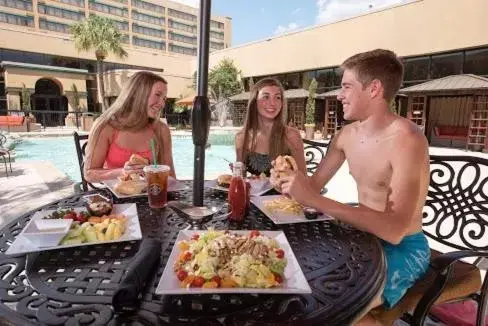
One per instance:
(157,184)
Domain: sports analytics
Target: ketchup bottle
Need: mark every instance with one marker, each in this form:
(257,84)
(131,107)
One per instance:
(238,194)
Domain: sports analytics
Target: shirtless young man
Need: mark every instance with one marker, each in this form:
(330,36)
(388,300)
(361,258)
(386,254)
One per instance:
(388,158)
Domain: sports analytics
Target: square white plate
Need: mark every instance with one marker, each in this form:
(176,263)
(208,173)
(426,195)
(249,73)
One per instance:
(132,231)
(283,217)
(173,185)
(293,281)
(212,184)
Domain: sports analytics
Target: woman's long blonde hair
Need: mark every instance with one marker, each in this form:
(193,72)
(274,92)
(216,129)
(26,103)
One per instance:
(277,141)
(129,112)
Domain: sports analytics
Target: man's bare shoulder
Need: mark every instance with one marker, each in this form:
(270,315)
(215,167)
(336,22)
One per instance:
(409,133)
(347,132)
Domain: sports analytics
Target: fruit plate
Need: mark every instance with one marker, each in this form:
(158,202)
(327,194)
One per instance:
(294,280)
(132,231)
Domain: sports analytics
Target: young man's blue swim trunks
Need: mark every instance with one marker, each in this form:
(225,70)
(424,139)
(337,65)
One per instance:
(405,263)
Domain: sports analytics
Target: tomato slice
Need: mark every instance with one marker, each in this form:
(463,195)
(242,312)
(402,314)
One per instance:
(182,274)
(280,253)
(198,281)
(254,233)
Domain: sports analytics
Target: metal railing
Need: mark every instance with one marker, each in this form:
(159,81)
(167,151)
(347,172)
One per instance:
(48,118)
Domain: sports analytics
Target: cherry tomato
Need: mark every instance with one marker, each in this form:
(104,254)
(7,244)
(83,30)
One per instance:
(181,274)
(198,281)
(187,256)
(278,278)
(280,253)
(254,233)
(195,237)
(216,279)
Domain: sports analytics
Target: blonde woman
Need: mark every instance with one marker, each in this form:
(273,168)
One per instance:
(127,127)
(265,134)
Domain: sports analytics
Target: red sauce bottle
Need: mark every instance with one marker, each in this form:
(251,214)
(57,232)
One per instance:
(238,194)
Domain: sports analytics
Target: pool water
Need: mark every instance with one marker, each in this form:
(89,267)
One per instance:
(62,153)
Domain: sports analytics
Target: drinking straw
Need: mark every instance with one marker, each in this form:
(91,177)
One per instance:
(155,162)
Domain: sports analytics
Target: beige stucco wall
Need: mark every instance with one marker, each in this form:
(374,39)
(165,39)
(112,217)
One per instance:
(114,80)
(16,77)
(415,28)
(41,42)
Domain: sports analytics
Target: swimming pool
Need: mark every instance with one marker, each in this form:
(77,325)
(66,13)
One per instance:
(62,153)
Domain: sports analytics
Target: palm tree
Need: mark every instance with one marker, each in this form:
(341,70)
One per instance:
(99,34)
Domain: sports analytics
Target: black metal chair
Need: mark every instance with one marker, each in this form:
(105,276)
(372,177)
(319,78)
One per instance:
(315,152)
(5,153)
(80,144)
(455,216)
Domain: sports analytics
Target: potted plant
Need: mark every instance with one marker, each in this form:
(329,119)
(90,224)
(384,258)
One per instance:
(26,105)
(310,110)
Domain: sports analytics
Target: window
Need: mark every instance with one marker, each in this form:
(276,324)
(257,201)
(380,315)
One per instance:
(219,35)
(216,24)
(182,27)
(121,25)
(182,38)
(328,79)
(101,7)
(17,4)
(148,6)
(147,18)
(53,26)
(78,3)
(182,49)
(148,43)
(182,15)
(446,65)
(16,19)
(416,69)
(216,45)
(147,31)
(476,62)
(59,12)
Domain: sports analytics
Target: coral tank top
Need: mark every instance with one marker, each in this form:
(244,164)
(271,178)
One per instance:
(117,155)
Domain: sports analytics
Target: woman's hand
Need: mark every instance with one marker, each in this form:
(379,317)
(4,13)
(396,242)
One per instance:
(131,168)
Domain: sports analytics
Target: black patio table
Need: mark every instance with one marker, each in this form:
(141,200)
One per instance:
(344,267)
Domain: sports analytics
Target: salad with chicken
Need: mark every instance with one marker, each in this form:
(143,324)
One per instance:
(224,259)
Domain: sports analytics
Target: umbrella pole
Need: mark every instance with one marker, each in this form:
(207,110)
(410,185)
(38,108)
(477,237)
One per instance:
(201,107)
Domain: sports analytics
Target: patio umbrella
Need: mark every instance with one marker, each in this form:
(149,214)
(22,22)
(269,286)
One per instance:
(201,107)
(187,101)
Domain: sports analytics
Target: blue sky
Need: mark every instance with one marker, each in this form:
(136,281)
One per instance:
(254,20)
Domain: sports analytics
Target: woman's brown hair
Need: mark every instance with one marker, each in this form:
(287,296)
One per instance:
(277,141)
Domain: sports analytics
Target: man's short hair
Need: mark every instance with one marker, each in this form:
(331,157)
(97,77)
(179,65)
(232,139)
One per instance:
(383,65)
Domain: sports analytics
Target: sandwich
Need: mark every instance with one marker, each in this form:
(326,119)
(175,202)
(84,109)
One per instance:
(284,166)
(130,187)
(224,180)
(136,159)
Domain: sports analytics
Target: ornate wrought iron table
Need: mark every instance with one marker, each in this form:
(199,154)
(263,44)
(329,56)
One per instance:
(345,269)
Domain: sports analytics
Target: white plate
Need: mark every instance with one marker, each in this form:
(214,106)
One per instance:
(283,217)
(132,231)
(212,184)
(173,185)
(293,281)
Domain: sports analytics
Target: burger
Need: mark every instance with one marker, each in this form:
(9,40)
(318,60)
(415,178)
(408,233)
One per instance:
(224,180)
